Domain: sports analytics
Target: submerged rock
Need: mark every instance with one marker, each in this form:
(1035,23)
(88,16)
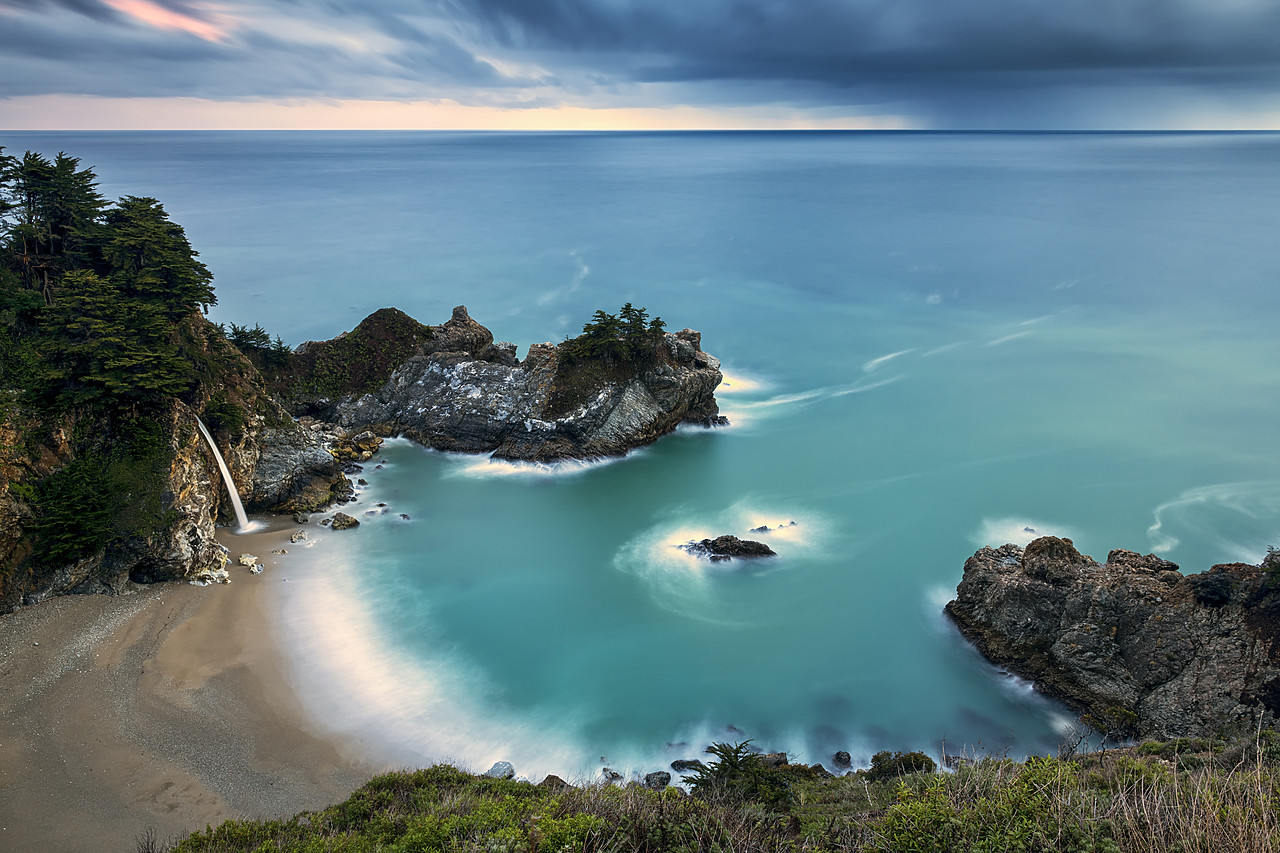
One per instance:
(1131,639)
(686,765)
(342,521)
(657,780)
(726,547)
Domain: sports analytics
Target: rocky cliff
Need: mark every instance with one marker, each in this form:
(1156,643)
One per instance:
(152,512)
(1187,655)
(465,393)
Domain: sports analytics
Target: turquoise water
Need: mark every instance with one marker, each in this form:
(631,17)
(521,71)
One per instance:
(932,342)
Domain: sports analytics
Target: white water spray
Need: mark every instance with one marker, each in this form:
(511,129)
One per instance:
(226,477)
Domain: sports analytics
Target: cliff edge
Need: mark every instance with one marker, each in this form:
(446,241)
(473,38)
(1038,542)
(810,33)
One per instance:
(1185,655)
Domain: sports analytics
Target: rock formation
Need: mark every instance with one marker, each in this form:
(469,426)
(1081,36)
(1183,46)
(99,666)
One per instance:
(724,548)
(1185,655)
(464,394)
(448,386)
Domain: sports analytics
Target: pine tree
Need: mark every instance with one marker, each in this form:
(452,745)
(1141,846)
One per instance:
(150,259)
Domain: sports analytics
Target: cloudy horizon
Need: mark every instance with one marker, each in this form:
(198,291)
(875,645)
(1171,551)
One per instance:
(627,64)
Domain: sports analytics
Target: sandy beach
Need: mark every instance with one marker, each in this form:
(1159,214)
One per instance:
(166,708)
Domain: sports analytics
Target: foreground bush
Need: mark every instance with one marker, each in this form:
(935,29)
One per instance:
(1139,800)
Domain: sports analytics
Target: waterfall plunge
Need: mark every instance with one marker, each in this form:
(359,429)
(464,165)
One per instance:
(226,477)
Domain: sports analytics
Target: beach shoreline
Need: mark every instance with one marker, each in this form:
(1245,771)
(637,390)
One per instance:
(166,709)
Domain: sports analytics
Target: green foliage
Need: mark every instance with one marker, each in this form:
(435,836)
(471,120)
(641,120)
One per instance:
(891,765)
(150,259)
(627,336)
(221,415)
(1024,813)
(104,346)
(739,774)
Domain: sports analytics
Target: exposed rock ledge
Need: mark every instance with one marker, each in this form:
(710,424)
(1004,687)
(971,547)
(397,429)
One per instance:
(1189,655)
(475,397)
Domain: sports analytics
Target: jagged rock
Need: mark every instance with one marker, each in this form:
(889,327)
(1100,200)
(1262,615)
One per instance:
(246,559)
(297,536)
(842,759)
(610,775)
(300,518)
(357,448)
(686,765)
(657,780)
(342,521)
(460,396)
(773,759)
(764,528)
(1131,634)
(501,770)
(404,516)
(724,548)
(504,352)
(554,784)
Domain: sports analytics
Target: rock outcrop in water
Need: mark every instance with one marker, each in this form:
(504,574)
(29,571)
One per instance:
(465,394)
(724,548)
(1185,655)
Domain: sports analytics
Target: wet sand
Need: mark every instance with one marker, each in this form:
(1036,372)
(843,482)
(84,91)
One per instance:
(166,708)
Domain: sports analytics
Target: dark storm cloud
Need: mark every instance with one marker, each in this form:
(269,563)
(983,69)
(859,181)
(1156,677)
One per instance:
(841,43)
(933,57)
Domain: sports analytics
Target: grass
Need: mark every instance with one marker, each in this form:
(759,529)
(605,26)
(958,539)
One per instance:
(1135,800)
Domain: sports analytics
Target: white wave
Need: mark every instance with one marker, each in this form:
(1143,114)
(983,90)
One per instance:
(1035,321)
(995,532)
(938,597)
(739,383)
(816,394)
(1251,507)
(402,709)
(944,348)
(1007,338)
(575,282)
(682,583)
(485,466)
(876,362)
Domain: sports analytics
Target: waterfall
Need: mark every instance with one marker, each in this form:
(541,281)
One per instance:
(226,477)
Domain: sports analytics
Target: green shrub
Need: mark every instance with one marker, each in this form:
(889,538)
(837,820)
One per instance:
(890,765)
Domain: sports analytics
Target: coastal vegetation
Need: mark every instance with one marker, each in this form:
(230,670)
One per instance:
(100,327)
(1183,795)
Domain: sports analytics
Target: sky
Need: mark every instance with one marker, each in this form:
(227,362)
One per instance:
(634,64)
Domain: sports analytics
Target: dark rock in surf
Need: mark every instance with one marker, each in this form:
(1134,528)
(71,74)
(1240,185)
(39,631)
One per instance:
(342,521)
(657,780)
(727,547)
(686,765)
(1185,655)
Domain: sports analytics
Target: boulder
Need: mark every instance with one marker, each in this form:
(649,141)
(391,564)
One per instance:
(1129,639)
(686,765)
(657,780)
(842,759)
(724,548)
(342,521)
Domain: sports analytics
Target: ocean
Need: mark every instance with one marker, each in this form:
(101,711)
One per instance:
(932,342)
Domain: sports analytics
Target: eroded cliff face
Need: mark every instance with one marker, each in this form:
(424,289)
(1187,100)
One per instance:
(472,396)
(1187,654)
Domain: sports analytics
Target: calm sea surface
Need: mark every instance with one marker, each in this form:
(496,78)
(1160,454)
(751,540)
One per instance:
(932,342)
